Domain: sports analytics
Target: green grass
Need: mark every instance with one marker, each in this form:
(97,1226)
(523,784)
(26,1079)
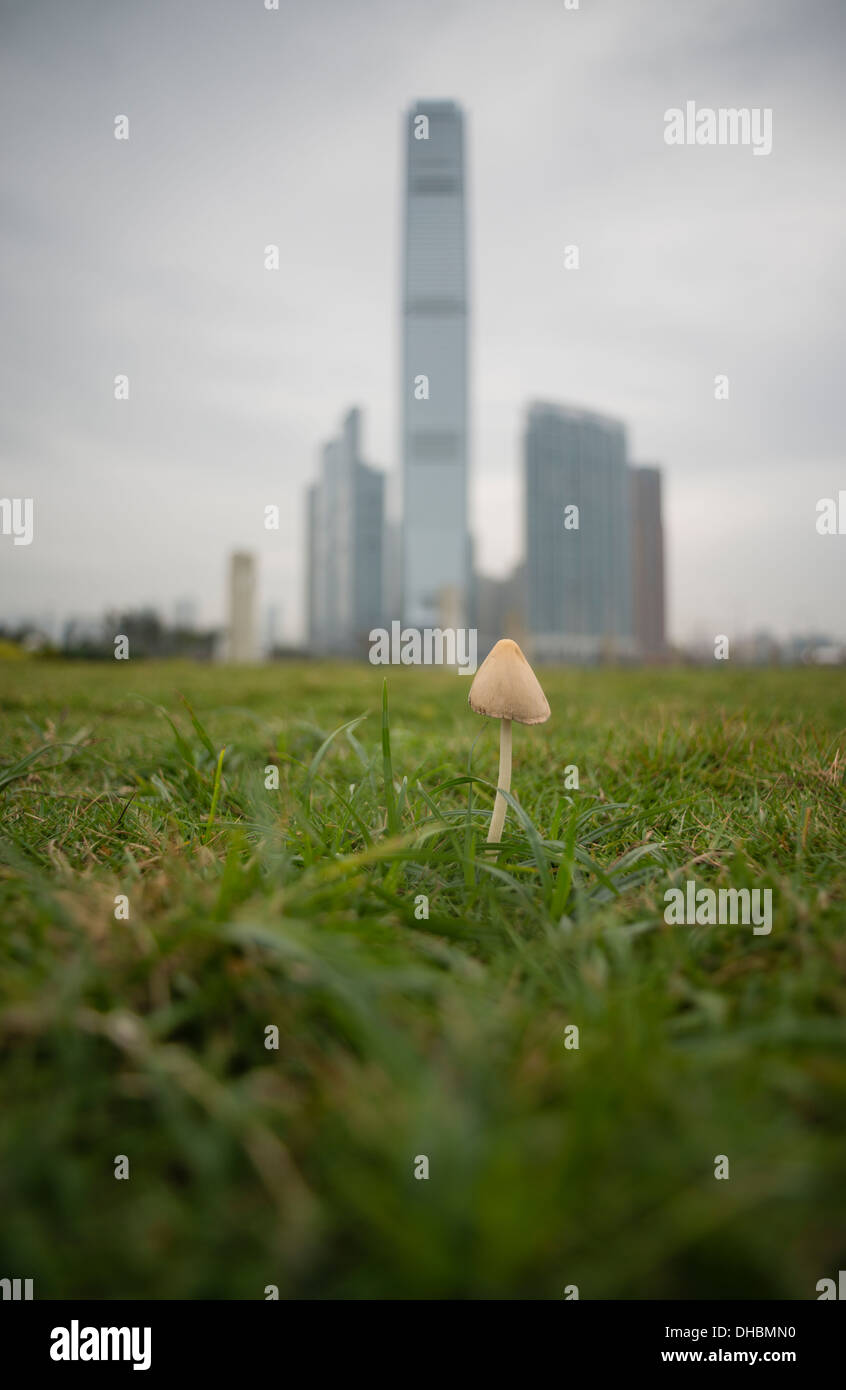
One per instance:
(402,1036)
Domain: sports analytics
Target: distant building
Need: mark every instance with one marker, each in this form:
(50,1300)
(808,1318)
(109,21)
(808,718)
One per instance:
(500,609)
(435,547)
(312,588)
(648,600)
(392,570)
(578,536)
(47,625)
(814,648)
(82,633)
(185,615)
(272,627)
(242,636)
(345,524)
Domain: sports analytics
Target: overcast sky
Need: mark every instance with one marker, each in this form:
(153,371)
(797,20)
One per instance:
(250,127)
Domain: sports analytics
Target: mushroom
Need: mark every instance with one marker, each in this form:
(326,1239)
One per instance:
(505,687)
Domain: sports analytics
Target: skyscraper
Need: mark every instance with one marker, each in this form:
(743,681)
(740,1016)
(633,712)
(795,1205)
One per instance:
(272,627)
(647,562)
(578,535)
(434,369)
(185,614)
(242,646)
(344,525)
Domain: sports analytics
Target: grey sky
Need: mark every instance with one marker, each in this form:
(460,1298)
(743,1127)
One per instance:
(250,127)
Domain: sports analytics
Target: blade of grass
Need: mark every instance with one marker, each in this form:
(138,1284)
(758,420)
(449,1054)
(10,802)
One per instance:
(387,766)
(535,842)
(20,769)
(215,794)
(198,728)
(564,876)
(324,748)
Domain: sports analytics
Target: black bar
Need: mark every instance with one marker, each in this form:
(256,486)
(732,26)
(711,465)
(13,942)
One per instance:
(223,1339)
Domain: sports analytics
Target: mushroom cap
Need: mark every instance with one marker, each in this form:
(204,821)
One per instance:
(506,687)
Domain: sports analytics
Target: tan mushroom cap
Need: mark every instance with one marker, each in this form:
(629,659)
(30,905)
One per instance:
(506,687)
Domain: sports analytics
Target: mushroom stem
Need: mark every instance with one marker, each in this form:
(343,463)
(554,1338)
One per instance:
(503,780)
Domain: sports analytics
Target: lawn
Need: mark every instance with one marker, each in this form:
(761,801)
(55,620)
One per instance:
(140,1042)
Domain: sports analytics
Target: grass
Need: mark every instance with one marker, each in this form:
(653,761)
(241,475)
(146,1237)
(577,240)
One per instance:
(301,908)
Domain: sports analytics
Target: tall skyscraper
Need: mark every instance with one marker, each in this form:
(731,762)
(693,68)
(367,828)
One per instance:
(500,609)
(648,562)
(272,627)
(185,614)
(344,527)
(434,369)
(578,535)
(242,645)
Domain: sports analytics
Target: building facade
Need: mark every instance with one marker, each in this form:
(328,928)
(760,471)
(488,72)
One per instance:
(345,542)
(500,609)
(434,369)
(577,494)
(648,597)
(242,634)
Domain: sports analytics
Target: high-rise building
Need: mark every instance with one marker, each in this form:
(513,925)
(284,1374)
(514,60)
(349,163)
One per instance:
(392,567)
(312,587)
(185,614)
(344,525)
(648,601)
(272,627)
(499,609)
(578,535)
(242,645)
(434,369)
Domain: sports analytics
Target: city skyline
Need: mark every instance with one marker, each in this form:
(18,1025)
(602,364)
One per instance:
(148,258)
